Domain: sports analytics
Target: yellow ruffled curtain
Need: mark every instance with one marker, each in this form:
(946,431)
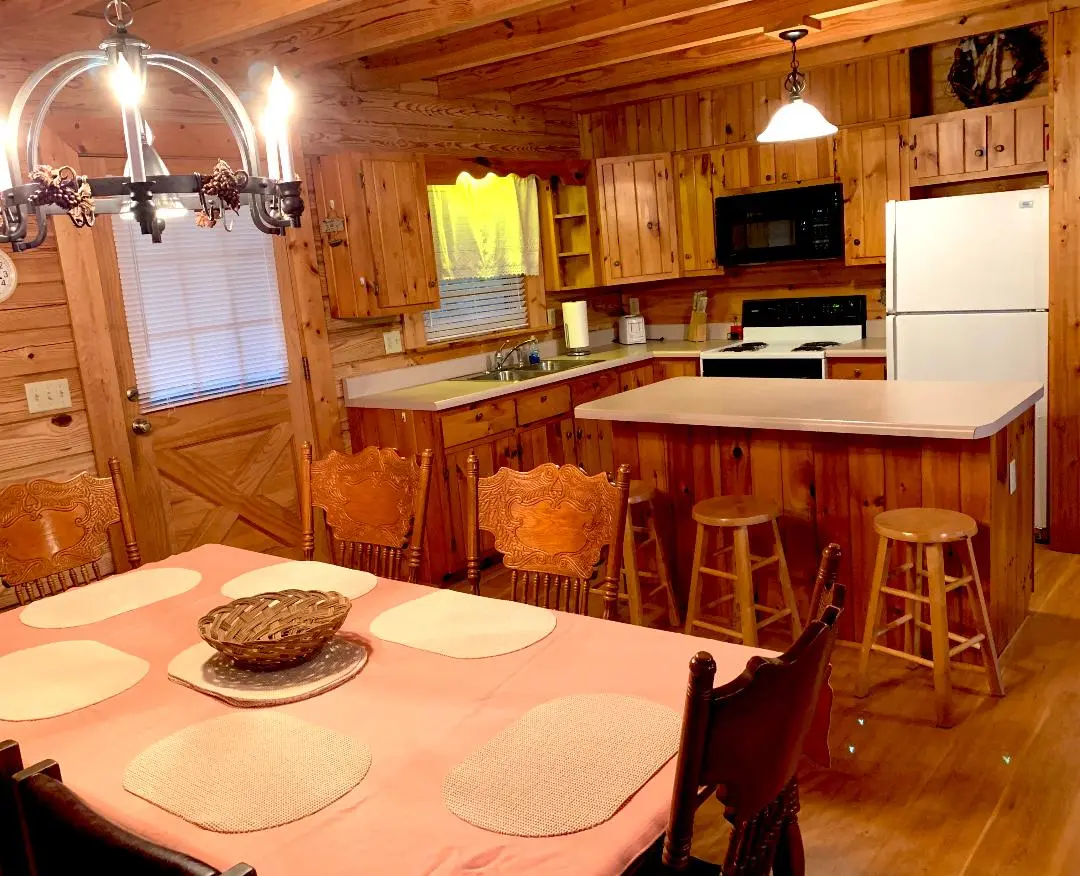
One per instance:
(486,228)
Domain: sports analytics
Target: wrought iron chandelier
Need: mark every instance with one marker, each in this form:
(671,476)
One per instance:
(147,192)
(796,119)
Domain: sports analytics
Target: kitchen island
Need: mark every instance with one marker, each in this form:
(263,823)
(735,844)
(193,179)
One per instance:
(833,454)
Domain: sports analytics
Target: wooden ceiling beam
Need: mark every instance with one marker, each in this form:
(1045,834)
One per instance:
(680,34)
(874,28)
(508,38)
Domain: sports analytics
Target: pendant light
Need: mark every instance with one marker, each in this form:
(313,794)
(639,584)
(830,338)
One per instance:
(796,119)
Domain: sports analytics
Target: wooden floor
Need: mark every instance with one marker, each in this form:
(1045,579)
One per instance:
(997,794)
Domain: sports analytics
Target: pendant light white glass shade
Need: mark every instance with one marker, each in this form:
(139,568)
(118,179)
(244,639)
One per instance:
(796,120)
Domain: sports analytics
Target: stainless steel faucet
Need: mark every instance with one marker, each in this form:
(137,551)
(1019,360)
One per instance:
(501,357)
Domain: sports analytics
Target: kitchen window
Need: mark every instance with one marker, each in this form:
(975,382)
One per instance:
(203,313)
(487,246)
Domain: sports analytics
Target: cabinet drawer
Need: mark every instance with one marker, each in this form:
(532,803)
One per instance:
(478,421)
(549,402)
(599,385)
(857,369)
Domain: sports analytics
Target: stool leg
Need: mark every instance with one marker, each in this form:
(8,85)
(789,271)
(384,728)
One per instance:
(916,635)
(873,611)
(785,583)
(939,633)
(693,604)
(910,584)
(982,624)
(744,587)
(630,572)
(662,570)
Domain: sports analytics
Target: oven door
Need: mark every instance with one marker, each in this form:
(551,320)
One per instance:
(758,366)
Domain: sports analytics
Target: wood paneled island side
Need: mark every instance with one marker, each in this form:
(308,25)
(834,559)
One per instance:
(834,454)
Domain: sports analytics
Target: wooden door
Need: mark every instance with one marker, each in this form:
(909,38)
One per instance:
(776,165)
(381,261)
(637,218)
(698,177)
(593,442)
(221,471)
(546,442)
(634,378)
(870,165)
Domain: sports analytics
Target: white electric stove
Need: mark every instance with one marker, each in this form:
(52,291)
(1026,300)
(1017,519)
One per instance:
(788,337)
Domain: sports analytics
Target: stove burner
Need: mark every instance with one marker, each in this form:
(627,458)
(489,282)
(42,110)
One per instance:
(749,347)
(814,346)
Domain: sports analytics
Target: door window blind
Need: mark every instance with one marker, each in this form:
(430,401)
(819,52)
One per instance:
(476,307)
(203,313)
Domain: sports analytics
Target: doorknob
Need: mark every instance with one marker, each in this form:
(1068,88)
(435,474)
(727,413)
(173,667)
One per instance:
(141,426)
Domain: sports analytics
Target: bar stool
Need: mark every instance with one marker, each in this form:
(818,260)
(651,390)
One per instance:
(925,530)
(641,496)
(738,513)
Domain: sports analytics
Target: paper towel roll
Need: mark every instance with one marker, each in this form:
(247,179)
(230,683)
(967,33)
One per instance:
(576,325)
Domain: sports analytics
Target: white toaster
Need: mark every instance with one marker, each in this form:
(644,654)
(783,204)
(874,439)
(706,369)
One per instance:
(632,329)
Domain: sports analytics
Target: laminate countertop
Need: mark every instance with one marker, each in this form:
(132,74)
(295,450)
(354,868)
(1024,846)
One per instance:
(915,409)
(441,395)
(867,348)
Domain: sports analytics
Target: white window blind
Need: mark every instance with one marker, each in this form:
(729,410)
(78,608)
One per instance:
(476,307)
(203,313)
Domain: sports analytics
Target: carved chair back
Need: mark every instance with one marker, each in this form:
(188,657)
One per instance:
(63,835)
(374,503)
(551,526)
(743,741)
(12,858)
(824,593)
(54,535)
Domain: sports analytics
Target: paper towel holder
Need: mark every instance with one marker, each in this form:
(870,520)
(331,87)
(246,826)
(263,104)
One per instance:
(575,328)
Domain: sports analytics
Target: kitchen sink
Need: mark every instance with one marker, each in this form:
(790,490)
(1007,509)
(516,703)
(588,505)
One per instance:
(528,372)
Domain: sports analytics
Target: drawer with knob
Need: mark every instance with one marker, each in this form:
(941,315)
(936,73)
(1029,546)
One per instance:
(868,368)
(478,421)
(551,401)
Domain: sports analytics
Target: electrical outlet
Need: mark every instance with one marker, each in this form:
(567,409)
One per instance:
(392,341)
(635,306)
(553,316)
(1012,476)
(48,395)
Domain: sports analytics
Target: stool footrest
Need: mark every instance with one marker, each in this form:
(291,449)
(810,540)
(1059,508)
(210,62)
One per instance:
(778,614)
(760,563)
(717,628)
(906,594)
(717,573)
(892,625)
(903,655)
(974,642)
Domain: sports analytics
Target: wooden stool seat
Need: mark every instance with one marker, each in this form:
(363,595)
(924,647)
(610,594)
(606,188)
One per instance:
(738,513)
(731,511)
(925,525)
(640,491)
(925,531)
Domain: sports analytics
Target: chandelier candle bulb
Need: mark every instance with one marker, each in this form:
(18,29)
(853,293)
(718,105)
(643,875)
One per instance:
(275,126)
(127,85)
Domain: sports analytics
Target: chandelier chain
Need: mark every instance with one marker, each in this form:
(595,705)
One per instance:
(795,81)
(119,14)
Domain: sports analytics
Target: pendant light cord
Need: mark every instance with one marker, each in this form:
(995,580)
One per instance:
(795,81)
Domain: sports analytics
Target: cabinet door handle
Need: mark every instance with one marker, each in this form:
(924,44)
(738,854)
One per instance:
(768,177)
(858,372)
(479,416)
(617,263)
(543,399)
(999,148)
(783,176)
(431,284)
(649,226)
(857,242)
(979,153)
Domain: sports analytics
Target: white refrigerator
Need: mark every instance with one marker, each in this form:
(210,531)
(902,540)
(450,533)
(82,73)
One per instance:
(966,295)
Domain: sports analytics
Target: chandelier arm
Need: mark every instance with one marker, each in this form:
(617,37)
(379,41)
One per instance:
(37,123)
(222,96)
(24,94)
(263,219)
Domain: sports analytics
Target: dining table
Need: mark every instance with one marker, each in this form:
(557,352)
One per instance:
(419,712)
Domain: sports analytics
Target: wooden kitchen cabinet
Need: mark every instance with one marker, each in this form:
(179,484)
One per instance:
(698,182)
(861,368)
(757,166)
(636,377)
(663,369)
(870,165)
(592,438)
(638,235)
(981,143)
(378,245)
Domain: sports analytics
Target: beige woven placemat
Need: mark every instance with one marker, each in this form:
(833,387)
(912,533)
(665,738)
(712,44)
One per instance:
(248,771)
(61,677)
(109,597)
(564,766)
(202,668)
(461,625)
(300,575)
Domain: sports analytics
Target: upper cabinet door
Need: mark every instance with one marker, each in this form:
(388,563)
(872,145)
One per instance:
(698,182)
(382,262)
(637,218)
(870,163)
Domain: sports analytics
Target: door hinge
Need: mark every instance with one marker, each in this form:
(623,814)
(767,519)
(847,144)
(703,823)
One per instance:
(307,368)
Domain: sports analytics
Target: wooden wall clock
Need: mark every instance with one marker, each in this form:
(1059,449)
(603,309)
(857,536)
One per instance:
(9,277)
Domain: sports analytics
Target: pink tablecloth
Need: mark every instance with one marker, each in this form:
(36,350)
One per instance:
(420,713)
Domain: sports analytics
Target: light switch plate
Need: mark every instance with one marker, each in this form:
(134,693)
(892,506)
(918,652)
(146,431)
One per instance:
(48,395)
(392,341)
(635,306)
(1012,476)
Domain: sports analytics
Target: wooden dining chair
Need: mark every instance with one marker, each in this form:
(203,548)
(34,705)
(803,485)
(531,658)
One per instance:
(743,741)
(54,535)
(824,592)
(374,503)
(12,857)
(551,526)
(63,835)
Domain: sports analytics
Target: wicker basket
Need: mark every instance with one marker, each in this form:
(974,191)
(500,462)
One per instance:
(273,630)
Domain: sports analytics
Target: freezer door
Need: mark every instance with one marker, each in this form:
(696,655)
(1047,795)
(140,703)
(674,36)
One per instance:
(977,346)
(969,253)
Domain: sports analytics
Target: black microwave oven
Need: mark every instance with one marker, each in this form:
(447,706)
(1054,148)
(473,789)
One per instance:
(780,226)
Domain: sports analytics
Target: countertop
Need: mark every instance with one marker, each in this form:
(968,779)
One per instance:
(867,348)
(916,409)
(444,394)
